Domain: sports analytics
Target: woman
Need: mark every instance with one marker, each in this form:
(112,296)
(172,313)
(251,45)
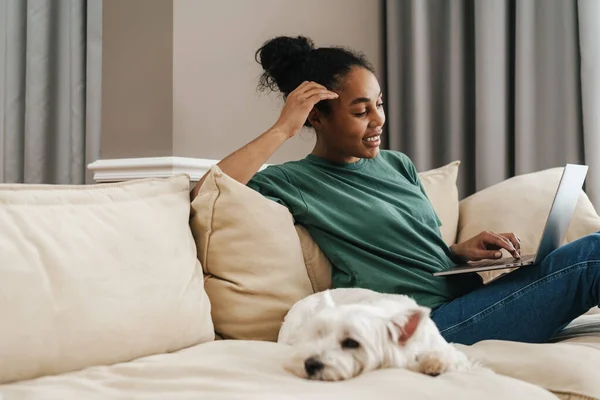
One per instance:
(367,210)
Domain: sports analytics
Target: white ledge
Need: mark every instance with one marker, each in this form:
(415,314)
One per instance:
(125,169)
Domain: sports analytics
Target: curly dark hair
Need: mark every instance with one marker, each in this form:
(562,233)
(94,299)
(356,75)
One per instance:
(289,61)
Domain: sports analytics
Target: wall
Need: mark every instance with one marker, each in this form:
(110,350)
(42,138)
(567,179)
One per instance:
(215,107)
(137,78)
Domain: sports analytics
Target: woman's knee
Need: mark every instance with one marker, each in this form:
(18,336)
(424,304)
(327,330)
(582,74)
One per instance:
(583,249)
(590,242)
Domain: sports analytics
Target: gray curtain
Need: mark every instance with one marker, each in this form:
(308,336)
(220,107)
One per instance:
(50,93)
(589,46)
(493,83)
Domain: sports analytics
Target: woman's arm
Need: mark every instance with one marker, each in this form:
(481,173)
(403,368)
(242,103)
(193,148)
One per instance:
(242,164)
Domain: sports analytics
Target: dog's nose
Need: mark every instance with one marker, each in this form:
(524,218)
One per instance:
(312,366)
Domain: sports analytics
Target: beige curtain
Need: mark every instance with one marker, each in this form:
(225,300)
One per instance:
(493,83)
(50,93)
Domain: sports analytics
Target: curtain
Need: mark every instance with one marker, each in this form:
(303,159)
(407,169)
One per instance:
(589,45)
(495,84)
(50,93)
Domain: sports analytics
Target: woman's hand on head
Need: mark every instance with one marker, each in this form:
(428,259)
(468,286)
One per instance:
(299,104)
(487,245)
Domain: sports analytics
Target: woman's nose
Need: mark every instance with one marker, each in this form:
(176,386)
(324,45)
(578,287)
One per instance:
(378,118)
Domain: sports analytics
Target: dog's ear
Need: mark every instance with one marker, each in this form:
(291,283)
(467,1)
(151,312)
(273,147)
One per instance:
(327,300)
(403,326)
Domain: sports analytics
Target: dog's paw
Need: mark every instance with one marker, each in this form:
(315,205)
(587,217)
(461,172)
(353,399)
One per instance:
(431,364)
(437,362)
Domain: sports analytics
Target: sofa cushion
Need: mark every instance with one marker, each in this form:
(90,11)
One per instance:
(440,186)
(97,274)
(521,205)
(251,255)
(582,326)
(233,369)
(318,267)
(568,369)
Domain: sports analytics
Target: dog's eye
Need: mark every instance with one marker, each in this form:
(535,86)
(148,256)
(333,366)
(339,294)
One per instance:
(350,344)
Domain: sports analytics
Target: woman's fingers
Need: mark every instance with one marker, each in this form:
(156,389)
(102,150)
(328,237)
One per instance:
(514,239)
(502,243)
(305,87)
(323,96)
(487,245)
(319,92)
(311,92)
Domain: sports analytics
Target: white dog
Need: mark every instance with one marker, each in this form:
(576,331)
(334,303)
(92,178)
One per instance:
(341,333)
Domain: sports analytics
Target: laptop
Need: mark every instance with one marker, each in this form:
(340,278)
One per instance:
(555,229)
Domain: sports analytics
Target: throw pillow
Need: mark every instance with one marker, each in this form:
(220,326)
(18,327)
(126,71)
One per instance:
(96,275)
(251,255)
(440,186)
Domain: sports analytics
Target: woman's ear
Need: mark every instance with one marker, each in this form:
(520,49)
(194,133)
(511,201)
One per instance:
(315,118)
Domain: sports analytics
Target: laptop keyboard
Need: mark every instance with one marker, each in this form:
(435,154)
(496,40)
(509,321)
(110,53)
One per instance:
(508,260)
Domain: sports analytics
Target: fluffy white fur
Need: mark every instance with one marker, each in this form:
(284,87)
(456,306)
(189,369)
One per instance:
(341,333)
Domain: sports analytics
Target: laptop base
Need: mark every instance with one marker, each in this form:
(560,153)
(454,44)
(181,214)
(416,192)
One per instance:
(508,263)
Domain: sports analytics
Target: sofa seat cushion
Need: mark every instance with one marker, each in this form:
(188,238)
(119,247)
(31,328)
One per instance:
(584,326)
(568,369)
(254,369)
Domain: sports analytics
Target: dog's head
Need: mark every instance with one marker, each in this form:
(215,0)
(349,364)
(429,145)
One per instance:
(343,341)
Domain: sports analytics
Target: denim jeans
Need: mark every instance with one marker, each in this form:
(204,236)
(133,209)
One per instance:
(531,304)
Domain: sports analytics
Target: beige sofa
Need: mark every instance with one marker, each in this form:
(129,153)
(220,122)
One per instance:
(125,291)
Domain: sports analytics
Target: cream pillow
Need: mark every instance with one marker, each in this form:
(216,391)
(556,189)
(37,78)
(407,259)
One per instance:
(251,255)
(96,275)
(440,186)
(521,205)
(317,264)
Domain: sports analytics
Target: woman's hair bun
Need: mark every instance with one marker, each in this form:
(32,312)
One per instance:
(278,57)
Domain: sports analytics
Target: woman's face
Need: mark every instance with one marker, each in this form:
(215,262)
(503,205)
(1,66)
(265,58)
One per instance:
(353,128)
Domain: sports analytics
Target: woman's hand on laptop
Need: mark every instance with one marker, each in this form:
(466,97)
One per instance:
(487,245)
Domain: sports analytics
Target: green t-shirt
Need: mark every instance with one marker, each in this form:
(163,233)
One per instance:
(373,221)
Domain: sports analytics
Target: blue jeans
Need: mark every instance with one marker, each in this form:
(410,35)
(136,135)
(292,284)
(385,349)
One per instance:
(531,304)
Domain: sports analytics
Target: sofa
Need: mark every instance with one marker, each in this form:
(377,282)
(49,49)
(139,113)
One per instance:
(127,290)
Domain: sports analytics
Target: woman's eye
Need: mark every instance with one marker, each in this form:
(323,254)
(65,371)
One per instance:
(362,114)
